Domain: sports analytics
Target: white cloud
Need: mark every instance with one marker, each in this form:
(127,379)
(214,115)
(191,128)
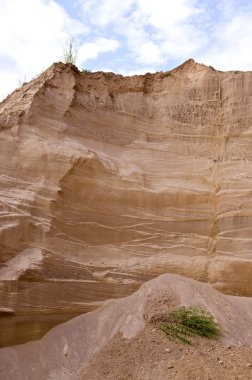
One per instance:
(32,37)
(149,52)
(151,35)
(155,33)
(152,31)
(165,15)
(91,50)
(105,12)
(231,49)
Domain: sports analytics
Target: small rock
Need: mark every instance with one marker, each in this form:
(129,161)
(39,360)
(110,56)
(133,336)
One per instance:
(167,350)
(220,362)
(170,366)
(153,329)
(65,350)
(249,365)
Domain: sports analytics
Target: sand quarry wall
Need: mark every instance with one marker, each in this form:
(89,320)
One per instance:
(107,181)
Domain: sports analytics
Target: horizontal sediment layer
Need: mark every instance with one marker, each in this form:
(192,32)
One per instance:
(108,181)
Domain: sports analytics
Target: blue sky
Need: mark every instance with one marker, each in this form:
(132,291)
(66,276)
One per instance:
(127,37)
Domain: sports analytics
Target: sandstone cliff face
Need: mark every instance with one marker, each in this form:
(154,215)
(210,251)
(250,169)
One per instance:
(108,181)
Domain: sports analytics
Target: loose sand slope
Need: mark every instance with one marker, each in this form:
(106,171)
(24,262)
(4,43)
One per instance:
(151,356)
(66,348)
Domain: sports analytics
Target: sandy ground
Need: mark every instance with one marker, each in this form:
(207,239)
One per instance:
(121,340)
(151,355)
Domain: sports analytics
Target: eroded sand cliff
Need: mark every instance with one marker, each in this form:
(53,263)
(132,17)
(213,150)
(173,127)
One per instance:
(108,181)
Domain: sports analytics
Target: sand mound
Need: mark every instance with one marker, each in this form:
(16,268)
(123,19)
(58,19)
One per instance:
(150,355)
(65,349)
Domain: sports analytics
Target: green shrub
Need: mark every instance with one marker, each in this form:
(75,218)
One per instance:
(70,51)
(85,71)
(185,322)
(167,74)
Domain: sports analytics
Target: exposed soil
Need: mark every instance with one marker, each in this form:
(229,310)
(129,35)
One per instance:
(122,341)
(151,355)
